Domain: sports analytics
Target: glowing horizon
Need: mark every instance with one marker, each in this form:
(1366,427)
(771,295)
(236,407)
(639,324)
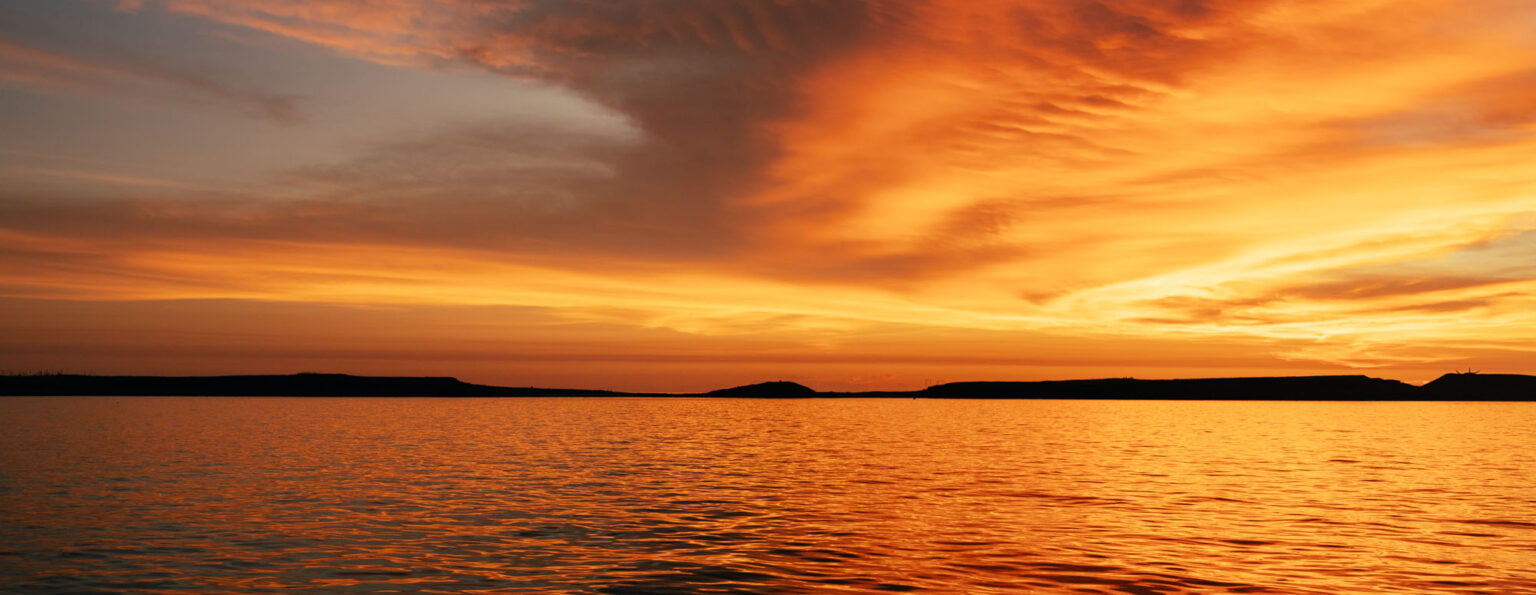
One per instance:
(687,195)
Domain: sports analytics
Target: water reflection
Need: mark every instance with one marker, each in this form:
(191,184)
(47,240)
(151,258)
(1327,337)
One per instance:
(688,496)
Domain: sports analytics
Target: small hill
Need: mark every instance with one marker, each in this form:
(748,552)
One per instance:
(779,389)
(1288,388)
(293,385)
(1472,386)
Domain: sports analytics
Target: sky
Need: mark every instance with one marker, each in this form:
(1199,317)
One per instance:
(678,195)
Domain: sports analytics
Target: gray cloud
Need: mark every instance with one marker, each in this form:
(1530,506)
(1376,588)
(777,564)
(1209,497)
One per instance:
(70,72)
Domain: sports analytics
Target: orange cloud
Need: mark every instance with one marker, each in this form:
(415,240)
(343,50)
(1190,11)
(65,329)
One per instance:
(1320,184)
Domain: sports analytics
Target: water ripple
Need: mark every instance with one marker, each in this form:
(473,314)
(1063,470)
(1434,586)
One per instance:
(720,496)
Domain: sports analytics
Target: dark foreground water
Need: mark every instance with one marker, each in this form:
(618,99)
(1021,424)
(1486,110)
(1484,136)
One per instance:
(170,495)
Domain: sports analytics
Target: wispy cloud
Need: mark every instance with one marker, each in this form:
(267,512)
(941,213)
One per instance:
(1236,171)
(48,70)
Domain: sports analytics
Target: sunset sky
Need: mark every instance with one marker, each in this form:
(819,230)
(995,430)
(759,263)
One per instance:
(690,194)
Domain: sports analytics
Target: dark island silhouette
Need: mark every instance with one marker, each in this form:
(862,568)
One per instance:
(1340,388)
(1472,386)
(1468,386)
(771,390)
(293,385)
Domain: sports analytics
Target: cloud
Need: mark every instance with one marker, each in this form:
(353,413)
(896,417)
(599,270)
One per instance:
(1488,111)
(527,163)
(390,31)
(39,68)
(1232,170)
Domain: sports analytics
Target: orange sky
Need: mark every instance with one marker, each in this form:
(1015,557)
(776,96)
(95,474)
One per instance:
(682,195)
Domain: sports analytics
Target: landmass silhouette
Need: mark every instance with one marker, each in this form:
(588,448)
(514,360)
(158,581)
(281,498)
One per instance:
(1347,388)
(1472,386)
(292,385)
(779,389)
(1468,386)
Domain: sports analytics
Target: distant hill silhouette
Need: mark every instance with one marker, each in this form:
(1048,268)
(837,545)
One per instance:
(1482,387)
(1327,388)
(1450,387)
(778,389)
(295,385)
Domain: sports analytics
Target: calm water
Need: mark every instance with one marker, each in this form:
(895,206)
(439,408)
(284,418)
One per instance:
(168,495)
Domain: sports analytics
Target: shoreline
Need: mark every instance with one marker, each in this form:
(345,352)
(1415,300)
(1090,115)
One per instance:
(1449,387)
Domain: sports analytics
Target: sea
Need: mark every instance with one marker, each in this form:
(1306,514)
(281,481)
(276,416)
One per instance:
(699,495)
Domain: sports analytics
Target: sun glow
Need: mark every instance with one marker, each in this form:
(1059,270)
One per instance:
(1342,186)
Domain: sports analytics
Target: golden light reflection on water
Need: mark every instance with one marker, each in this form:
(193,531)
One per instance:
(698,495)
